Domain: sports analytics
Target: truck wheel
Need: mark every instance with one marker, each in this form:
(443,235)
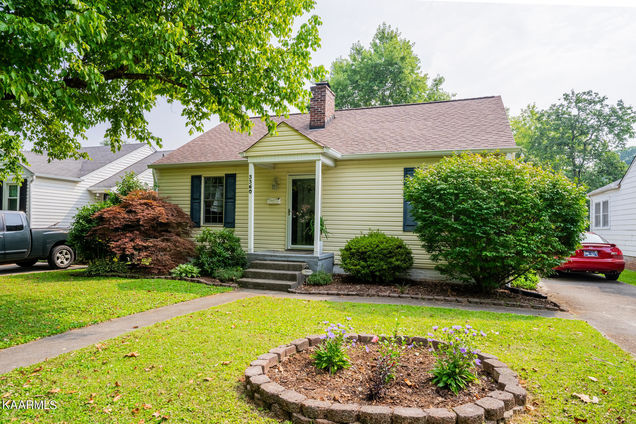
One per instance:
(27,263)
(61,257)
(612,276)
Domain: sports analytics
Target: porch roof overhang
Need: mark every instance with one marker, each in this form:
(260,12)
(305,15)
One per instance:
(327,159)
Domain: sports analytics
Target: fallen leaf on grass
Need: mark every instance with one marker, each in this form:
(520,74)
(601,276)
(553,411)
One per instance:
(579,420)
(208,379)
(107,410)
(592,378)
(131,355)
(585,398)
(116,398)
(6,395)
(37,370)
(55,390)
(134,411)
(146,405)
(226,362)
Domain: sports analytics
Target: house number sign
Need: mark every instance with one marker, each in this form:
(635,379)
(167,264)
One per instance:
(250,184)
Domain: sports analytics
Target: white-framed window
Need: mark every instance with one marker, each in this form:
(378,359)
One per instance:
(601,214)
(213,200)
(11,202)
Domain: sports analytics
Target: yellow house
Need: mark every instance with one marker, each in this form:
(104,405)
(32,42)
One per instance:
(344,167)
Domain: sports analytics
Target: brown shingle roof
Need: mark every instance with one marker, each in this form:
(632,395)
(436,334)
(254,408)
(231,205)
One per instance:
(479,123)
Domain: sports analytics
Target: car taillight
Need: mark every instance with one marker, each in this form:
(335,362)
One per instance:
(616,252)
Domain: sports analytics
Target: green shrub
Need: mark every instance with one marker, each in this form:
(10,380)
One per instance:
(88,248)
(228,275)
(487,219)
(527,281)
(319,278)
(376,257)
(106,267)
(217,250)
(186,270)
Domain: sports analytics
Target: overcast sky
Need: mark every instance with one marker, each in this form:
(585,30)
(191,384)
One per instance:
(527,52)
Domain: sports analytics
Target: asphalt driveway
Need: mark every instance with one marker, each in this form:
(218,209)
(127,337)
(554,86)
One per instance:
(609,306)
(11,269)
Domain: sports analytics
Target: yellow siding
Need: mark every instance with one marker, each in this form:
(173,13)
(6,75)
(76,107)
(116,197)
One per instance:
(288,141)
(174,184)
(357,196)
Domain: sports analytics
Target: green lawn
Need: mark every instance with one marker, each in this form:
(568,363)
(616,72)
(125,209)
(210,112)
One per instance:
(189,368)
(628,277)
(40,304)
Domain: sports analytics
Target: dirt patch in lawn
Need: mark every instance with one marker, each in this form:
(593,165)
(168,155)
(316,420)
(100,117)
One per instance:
(412,386)
(463,292)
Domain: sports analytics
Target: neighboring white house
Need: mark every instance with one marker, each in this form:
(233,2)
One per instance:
(613,213)
(51,192)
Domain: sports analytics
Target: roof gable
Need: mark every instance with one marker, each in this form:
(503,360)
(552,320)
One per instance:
(286,141)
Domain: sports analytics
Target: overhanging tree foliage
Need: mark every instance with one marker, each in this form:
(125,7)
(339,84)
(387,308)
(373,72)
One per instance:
(578,135)
(488,219)
(68,65)
(386,73)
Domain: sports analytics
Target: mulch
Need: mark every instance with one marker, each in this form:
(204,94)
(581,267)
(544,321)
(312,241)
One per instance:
(412,386)
(346,283)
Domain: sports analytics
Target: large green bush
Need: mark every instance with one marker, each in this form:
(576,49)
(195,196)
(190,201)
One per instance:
(88,248)
(218,250)
(487,219)
(376,257)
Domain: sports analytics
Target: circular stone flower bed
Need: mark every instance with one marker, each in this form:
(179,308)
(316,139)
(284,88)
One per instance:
(285,381)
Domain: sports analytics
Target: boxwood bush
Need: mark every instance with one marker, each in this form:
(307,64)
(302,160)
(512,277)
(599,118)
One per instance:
(376,257)
(319,278)
(217,250)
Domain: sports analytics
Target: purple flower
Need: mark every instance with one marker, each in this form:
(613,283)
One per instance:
(462,350)
(482,334)
(366,348)
(431,335)
(348,318)
(435,327)
(430,349)
(477,361)
(410,346)
(468,326)
(457,327)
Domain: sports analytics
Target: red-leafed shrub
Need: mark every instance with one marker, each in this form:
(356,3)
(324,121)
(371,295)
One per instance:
(146,231)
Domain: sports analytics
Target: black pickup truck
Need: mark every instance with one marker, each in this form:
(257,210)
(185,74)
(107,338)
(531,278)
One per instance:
(22,245)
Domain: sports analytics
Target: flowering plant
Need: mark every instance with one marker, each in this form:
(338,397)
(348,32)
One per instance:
(331,354)
(456,357)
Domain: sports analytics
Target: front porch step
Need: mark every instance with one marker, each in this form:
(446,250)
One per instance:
(278,265)
(272,274)
(257,283)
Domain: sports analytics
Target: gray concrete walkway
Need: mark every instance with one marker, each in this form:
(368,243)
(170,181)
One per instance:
(609,306)
(52,346)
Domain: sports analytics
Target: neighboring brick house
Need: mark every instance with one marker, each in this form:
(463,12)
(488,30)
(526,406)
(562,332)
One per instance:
(346,166)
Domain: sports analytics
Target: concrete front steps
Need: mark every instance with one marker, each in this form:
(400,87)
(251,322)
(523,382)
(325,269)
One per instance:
(273,275)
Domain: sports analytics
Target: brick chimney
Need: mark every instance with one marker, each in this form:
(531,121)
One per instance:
(322,108)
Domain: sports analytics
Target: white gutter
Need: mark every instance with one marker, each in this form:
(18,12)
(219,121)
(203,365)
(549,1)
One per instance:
(182,164)
(58,177)
(429,153)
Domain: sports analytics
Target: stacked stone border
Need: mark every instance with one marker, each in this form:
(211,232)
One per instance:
(497,407)
(464,300)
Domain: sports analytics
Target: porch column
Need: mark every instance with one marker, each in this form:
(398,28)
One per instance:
(250,209)
(317,206)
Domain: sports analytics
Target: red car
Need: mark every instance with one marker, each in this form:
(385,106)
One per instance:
(595,255)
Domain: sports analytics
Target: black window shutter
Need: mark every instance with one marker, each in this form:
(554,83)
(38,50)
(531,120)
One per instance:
(408,223)
(195,199)
(229,209)
(1,193)
(22,202)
